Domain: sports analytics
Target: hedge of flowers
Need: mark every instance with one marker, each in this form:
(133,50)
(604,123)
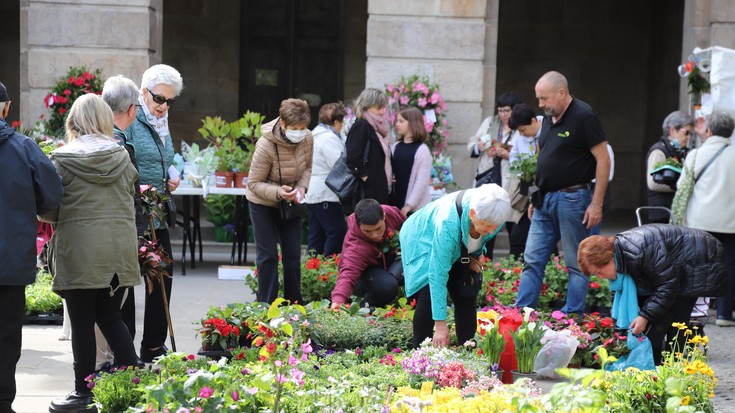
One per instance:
(283,370)
(76,82)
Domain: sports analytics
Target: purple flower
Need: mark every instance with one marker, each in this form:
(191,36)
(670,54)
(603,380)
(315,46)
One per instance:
(136,380)
(235,395)
(90,385)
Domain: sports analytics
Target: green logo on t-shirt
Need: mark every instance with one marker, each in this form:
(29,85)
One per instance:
(563,135)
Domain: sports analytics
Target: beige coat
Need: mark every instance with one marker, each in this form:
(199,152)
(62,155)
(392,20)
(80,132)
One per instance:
(295,165)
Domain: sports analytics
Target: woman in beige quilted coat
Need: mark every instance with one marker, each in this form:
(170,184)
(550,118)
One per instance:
(279,174)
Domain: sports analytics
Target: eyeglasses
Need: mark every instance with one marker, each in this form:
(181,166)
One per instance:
(161,100)
(687,132)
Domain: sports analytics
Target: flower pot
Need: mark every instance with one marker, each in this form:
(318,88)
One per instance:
(223,179)
(575,365)
(517,375)
(222,234)
(498,374)
(523,189)
(241,179)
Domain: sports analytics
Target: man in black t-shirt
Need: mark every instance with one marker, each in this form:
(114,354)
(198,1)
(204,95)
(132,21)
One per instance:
(572,152)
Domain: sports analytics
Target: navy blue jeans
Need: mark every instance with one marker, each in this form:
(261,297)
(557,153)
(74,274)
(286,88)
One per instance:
(270,230)
(327,228)
(560,217)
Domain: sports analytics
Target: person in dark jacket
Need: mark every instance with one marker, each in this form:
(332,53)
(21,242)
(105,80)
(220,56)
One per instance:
(671,266)
(121,95)
(376,174)
(364,268)
(30,186)
(677,128)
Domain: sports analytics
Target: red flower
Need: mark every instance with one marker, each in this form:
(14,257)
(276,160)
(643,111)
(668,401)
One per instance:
(16,124)
(79,81)
(594,285)
(517,270)
(67,92)
(62,111)
(313,264)
(607,322)
(71,79)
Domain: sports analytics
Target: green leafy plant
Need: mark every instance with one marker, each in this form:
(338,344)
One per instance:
(670,161)
(217,131)
(39,296)
(118,389)
(524,168)
(488,336)
(698,84)
(527,341)
(220,209)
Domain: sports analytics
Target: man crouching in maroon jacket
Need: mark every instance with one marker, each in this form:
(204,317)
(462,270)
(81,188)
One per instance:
(368,266)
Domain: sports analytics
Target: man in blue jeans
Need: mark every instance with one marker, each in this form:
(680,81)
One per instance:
(572,152)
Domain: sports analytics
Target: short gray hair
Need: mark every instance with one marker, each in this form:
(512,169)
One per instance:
(162,75)
(677,120)
(119,93)
(721,124)
(370,98)
(491,203)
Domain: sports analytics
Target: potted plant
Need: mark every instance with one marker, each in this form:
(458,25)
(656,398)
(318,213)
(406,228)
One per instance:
(490,340)
(524,168)
(220,211)
(245,131)
(667,172)
(217,132)
(42,304)
(527,342)
(200,163)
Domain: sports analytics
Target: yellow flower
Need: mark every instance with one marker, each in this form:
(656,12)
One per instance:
(703,340)
(426,388)
(688,333)
(680,326)
(685,401)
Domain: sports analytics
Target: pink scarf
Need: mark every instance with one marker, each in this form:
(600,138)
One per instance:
(381,128)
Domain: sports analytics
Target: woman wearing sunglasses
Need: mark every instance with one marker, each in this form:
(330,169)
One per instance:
(151,138)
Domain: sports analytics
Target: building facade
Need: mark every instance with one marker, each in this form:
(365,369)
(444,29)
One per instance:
(620,57)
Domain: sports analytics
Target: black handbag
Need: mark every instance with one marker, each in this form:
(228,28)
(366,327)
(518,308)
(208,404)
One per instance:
(341,180)
(490,176)
(288,209)
(170,209)
(464,281)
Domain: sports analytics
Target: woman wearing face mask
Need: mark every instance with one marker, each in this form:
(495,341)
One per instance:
(376,174)
(677,128)
(280,170)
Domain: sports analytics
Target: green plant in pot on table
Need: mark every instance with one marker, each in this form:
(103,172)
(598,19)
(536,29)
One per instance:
(220,211)
(217,131)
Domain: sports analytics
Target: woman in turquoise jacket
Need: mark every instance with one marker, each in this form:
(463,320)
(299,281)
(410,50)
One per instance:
(431,252)
(151,139)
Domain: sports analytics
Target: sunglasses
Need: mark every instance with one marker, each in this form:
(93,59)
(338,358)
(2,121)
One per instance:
(161,100)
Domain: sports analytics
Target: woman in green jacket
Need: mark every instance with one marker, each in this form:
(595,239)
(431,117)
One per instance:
(93,253)
(151,139)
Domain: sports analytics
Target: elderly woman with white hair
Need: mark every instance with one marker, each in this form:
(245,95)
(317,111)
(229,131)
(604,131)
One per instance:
(440,247)
(154,150)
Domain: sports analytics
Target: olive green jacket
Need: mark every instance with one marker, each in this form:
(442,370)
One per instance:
(95,234)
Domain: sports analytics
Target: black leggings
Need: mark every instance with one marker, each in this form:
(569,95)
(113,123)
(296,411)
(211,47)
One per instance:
(465,312)
(87,307)
(661,333)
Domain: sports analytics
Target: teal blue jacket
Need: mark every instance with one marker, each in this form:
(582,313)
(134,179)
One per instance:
(430,246)
(148,152)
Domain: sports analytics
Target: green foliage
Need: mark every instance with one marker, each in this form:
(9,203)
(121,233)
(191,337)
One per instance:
(698,84)
(118,389)
(352,327)
(220,209)
(39,296)
(524,168)
(235,141)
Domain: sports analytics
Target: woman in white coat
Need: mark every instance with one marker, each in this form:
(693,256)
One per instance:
(326,220)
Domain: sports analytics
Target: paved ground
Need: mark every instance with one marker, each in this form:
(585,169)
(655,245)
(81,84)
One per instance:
(45,368)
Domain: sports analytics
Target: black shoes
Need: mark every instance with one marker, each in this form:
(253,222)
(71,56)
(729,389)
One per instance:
(74,402)
(147,355)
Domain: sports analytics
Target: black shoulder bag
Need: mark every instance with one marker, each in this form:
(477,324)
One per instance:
(341,180)
(465,277)
(289,210)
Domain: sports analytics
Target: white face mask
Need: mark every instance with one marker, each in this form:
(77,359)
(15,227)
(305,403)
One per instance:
(296,136)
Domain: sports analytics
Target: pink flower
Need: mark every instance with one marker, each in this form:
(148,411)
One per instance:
(292,360)
(434,98)
(144,188)
(390,87)
(306,347)
(391,101)
(422,102)
(558,315)
(281,378)
(253,390)
(205,392)
(298,376)
(235,395)
(278,363)
(403,100)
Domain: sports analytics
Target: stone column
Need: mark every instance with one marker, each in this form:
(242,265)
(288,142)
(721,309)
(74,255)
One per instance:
(450,41)
(117,37)
(706,23)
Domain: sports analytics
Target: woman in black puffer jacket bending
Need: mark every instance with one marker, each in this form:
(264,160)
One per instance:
(671,266)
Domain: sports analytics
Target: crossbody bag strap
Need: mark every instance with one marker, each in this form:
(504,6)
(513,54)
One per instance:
(280,179)
(712,159)
(458,203)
